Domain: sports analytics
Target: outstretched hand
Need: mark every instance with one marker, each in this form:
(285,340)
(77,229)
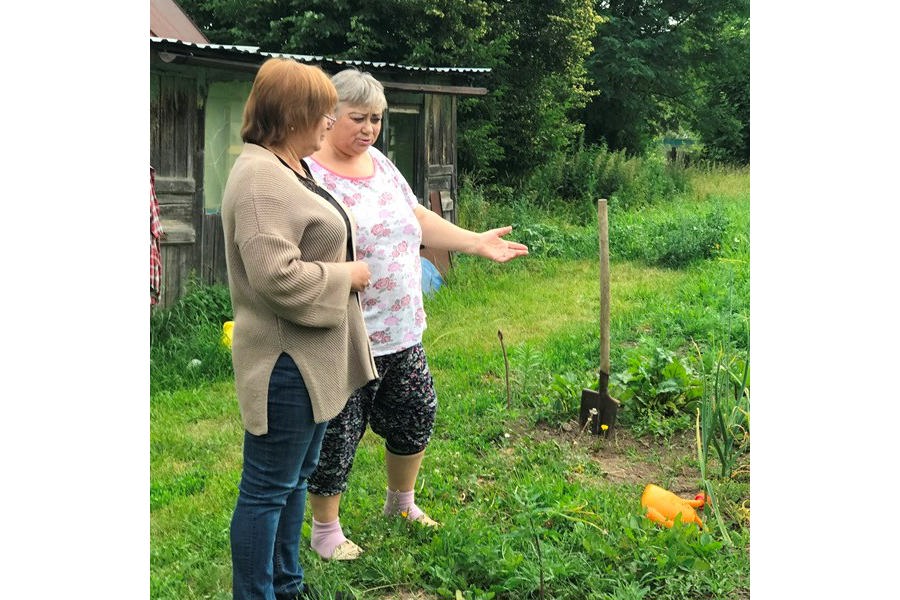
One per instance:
(492,245)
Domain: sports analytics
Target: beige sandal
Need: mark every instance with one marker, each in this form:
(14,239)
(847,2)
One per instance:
(346,551)
(423,519)
(427,521)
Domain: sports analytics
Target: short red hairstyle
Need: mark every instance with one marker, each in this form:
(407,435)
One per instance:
(286,95)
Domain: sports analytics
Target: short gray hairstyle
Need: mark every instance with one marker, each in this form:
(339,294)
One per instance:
(358,88)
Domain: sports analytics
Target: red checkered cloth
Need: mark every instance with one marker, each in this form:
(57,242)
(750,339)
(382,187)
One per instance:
(156,232)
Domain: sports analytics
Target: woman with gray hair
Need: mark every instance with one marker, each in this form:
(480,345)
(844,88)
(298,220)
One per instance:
(400,406)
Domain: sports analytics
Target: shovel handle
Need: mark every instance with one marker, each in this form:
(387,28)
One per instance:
(603,223)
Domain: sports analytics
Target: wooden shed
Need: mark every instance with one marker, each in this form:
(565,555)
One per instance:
(197,94)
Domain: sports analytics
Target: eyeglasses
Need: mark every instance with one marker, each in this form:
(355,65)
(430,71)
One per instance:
(331,120)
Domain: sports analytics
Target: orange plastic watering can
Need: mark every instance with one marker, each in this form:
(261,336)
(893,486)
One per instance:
(662,506)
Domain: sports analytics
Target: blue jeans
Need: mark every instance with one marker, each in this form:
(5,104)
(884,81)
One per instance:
(265,527)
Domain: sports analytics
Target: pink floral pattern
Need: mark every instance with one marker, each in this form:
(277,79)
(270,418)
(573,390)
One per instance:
(388,237)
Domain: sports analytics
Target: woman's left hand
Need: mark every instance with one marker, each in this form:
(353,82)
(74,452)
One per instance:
(491,245)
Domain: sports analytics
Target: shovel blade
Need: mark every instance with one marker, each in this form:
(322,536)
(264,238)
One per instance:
(607,409)
(589,399)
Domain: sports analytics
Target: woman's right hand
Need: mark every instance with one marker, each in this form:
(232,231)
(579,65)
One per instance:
(360,276)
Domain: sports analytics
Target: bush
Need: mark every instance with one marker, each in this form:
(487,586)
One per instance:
(485,206)
(567,185)
(566,188)
(650,180)
(668,238)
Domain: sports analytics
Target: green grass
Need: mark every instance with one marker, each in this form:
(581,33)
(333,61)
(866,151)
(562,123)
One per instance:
(521,498)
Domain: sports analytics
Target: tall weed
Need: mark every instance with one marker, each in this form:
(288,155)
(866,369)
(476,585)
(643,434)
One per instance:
(724,412)
(652,181)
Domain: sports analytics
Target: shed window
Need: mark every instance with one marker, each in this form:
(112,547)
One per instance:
(403,146)
(224,116)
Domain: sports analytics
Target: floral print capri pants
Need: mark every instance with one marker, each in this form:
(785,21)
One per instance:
(400,407)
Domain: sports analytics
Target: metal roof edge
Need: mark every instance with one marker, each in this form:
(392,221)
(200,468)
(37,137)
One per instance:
(305,58)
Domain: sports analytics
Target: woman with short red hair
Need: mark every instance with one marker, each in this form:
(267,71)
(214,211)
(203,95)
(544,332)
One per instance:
(299,341)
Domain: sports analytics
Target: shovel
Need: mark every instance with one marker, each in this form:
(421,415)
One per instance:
(606,406)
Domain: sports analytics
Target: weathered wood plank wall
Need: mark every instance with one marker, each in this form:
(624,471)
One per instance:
(176,134)
(440,151)
(440,166)
(212,251)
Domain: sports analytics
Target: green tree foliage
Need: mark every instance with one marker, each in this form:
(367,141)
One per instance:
(426,32)
(540,85)
(634,49)
(663,65)
(536,49)
(564,72)
(721,111)
(294,26)
(416,32)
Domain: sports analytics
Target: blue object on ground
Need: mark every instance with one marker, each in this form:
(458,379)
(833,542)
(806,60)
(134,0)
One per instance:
(431,277)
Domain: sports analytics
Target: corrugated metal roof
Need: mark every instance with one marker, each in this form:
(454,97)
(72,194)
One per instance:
(253,52)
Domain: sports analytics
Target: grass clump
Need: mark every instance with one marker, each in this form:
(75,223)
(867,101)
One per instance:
(185,339)
(669,237)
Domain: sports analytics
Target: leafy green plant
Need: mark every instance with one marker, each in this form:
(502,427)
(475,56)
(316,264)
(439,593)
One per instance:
(558,241)
(630,590)
(654,384)
(558,402)
(645,421)
(200,305)
(724,412)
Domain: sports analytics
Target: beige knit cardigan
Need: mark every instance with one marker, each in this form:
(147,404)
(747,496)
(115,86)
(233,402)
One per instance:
(285,248)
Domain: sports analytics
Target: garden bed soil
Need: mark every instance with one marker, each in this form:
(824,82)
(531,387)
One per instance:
(625,458)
